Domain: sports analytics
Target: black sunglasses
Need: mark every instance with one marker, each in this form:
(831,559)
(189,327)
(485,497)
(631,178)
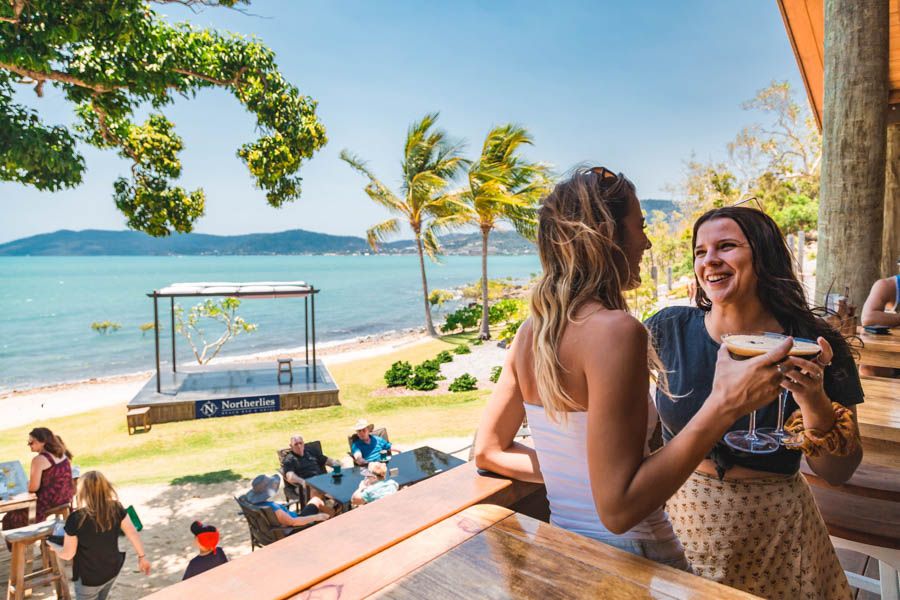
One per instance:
(607,177)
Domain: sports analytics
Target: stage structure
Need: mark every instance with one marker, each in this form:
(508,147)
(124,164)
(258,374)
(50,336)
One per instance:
(201,392)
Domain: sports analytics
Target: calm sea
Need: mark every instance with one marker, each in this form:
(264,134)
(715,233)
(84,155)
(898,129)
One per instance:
(47,305)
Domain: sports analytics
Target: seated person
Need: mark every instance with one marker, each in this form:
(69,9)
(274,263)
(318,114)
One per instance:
(264,489)
(206,538)
(374,486)
(367,447)
(303,462)
(882,307)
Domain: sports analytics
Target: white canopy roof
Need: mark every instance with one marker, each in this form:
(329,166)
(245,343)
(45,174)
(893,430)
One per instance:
(258,289)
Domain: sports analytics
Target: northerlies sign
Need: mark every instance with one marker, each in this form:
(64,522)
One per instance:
(230,407)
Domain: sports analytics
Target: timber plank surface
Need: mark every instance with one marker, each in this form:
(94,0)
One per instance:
(879,415)
(870,480)
(859,519)
(519,557)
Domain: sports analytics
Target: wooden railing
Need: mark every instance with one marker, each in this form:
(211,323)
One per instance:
(288,566)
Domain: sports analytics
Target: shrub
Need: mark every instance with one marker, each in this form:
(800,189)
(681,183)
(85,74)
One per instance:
(495,373)
(438,297)
(462,349)
(444,356)
(423,378)
(432,364)
(105,327)
(464,383)
(476,342)
(503,310)
(463,318)
(398,374)
(509,332)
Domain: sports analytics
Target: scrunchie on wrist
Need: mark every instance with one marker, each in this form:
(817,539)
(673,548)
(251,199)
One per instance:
(840,440)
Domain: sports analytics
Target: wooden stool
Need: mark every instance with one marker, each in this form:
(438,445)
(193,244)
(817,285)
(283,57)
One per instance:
(51,571)
(284,367)
(138,419)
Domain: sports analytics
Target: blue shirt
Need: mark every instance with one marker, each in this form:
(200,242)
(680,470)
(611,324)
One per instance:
(379,489)
(276,507)
(371,451)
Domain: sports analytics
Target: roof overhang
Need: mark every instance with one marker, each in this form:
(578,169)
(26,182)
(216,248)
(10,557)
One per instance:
(804,21)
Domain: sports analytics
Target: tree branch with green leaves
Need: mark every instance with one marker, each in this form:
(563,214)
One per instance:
(113,59)
(224,312)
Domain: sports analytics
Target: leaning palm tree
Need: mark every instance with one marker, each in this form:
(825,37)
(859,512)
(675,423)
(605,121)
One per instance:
(430,162)
(502,186)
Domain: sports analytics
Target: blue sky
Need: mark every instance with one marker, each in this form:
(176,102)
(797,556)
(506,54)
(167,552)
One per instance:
(636,86)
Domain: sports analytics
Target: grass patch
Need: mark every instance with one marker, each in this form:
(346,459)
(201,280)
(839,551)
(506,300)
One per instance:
(197,451)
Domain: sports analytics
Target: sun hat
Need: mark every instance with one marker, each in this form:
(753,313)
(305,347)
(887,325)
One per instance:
(207,535)
(263,488)
(361,424)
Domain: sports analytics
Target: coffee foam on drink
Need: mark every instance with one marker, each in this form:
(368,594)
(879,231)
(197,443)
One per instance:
(757,344)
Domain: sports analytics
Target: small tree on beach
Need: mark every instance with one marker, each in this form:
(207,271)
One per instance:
(430,161)
(224,312)
(502,186)
(110,59)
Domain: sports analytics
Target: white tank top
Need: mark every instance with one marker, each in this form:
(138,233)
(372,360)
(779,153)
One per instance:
(562,454)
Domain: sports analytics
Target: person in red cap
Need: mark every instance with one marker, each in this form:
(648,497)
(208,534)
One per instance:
(206,538)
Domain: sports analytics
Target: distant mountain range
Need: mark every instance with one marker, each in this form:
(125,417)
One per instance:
(96,242)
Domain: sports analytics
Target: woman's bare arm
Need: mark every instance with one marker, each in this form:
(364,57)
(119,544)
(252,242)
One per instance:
(882,295)
(495,448)
(626,486)
(70,546)
(38,464)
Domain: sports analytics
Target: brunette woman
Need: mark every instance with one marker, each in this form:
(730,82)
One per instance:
(749,520)
(578,369)
(51,476)
(92,538)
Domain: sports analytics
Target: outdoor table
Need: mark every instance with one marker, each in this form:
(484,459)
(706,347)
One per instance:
(14,492)
(879,414)
(411,467)
(487,551)
(879,350)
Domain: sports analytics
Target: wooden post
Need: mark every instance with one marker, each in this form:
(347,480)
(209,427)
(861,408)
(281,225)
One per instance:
(891,243)
(669,278)
(792,247)
(851,206)
(801,252)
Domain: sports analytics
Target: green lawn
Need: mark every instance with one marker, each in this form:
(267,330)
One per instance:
(227,448)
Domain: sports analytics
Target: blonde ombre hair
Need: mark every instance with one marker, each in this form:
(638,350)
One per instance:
(579,242)
(98,499)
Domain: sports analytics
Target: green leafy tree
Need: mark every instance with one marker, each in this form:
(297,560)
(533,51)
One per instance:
(191,326)
(502,187)
(105,327)
(110,59)
(430,162)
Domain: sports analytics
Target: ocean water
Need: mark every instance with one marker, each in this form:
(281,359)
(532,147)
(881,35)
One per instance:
(47,305)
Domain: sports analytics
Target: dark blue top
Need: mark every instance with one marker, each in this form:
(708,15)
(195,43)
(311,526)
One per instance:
(204,562)
(689,356)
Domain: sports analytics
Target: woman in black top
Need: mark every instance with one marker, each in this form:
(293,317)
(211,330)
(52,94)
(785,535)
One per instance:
(746,520)
(92,538)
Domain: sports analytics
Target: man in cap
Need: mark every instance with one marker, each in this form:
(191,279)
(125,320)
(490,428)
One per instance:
(264,488)
(366,447)
(206,538)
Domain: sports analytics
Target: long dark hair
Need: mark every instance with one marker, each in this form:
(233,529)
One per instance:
(52,442)
(778,287)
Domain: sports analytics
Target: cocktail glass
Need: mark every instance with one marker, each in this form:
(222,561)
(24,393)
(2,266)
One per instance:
(748,440)
(804,349)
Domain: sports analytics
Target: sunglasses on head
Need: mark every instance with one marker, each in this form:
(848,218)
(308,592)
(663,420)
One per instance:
(607,177)
(753,199)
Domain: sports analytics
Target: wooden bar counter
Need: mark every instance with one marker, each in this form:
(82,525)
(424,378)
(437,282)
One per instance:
(488,551)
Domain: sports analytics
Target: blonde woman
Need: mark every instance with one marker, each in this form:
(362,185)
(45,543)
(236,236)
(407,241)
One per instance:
(579,370)
(92,538)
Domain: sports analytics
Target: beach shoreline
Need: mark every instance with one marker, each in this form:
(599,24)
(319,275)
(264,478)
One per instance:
(20,407)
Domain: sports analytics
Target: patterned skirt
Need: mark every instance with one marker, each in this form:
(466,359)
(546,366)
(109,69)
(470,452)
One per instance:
(763,536)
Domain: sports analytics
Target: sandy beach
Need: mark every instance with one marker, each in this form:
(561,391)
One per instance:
(22,407)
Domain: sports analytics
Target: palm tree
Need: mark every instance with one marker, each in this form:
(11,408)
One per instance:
(502,186)
(430,162)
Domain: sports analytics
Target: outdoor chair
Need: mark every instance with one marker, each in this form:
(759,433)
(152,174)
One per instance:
(380,432)
(297,495)
(263,524)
